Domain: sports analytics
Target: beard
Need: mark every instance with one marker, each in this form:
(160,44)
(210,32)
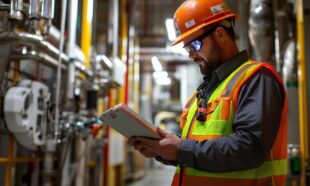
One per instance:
(211,61)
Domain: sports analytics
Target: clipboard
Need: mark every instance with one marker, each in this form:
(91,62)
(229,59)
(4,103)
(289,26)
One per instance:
(127,122)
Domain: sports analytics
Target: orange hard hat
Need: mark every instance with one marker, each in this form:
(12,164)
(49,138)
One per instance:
(193,15)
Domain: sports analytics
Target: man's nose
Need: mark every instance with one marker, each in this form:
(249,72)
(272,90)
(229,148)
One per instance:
(192,54)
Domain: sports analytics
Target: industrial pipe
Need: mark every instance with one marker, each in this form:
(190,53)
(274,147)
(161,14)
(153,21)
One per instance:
(34,17)
(61,46)
(43,46)
(73,7)
(47,10)
(261,31)
(115,27)
(26,38)
(87,16)
(302,91)
(18,160)
(47,14)
(52,138)
(16,9)
(39,57)
(34,9)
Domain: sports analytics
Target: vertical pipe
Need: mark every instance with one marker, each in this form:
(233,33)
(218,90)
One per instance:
(47,11)
(115,27)
(16,9)
(302,90)
(106,143)
(106,155)
(50,146)
(34,10)
(34,16)
(61,45)
(16,76)
(72,21)
(123,48)
(71,43)
(87,16)
(9,163)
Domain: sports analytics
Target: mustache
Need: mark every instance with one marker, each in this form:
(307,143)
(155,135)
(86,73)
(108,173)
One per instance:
(198,59)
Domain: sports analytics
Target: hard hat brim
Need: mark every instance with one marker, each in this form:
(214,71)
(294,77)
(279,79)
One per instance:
(196,32)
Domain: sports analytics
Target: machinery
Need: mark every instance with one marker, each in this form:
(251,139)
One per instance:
(25,112)
(50,87)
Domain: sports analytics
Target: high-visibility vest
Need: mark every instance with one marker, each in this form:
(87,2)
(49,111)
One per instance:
(221,109)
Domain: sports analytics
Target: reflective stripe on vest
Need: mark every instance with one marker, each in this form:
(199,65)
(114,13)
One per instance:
(268,168)
(220,116)
(185,110)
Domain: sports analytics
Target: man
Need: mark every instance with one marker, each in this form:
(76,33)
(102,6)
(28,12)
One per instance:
(234,126)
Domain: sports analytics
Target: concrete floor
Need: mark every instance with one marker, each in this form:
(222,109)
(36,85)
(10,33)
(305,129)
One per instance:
(159,176)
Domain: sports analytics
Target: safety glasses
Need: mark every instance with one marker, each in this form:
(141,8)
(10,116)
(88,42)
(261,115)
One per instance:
(196,44)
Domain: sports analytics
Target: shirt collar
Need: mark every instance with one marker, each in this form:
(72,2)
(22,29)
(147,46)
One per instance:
(230,65)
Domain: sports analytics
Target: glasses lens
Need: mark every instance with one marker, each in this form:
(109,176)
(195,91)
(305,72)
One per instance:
(194,46)
(197,44)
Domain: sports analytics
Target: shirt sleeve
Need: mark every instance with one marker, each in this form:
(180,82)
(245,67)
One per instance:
(257,119)
(167,162)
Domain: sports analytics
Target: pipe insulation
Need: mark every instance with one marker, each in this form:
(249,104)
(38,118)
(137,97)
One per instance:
(261,31)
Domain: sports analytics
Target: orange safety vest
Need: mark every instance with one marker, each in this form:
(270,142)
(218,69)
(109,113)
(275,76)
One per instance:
(221,109)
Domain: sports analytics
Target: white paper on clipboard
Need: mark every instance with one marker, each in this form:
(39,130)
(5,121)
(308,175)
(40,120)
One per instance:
(127,122)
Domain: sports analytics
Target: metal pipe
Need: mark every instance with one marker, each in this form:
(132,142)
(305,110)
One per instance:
(43,46)
(48,171)
(115,27)
(34,9)
(9,164)
(87,15)
(54,34)
(26,38)
(16,9)
(47,14)
(261,29)
(18,160)
(47,10)
(124,46)
(61,46)
(39,57)
(71,46)
(5,7)
(302,91)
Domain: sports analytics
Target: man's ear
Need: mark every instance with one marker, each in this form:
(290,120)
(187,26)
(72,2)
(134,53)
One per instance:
(220,35)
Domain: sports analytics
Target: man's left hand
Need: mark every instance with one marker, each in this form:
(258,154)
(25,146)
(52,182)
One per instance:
(167,148)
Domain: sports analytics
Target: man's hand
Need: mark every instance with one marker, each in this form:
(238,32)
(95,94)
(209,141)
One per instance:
(142,148)
(167,148)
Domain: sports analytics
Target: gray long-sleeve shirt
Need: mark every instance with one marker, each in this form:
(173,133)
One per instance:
(256,122)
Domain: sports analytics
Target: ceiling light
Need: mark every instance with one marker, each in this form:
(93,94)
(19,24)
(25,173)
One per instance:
(156,64)
(163,81)
(161,74)
(170,29)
